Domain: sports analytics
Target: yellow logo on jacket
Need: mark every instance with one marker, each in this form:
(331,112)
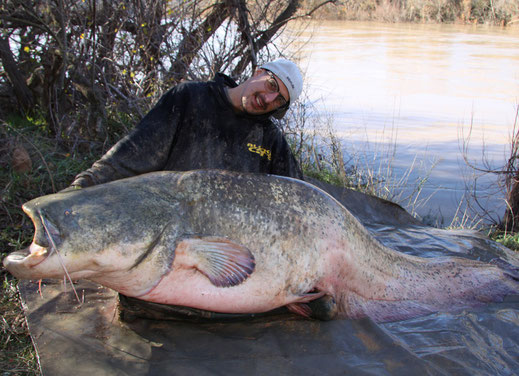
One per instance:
(259,150)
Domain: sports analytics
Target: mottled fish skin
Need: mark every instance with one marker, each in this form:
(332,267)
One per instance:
(243,243)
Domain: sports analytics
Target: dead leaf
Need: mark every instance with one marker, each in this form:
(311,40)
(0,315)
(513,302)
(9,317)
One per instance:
(20,159)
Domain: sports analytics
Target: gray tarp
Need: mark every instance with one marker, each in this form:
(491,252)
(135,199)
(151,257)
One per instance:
(91,340)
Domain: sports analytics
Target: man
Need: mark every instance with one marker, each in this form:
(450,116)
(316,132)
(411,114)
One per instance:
(216,124)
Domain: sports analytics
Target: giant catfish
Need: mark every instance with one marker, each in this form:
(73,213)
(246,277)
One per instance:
(242,243)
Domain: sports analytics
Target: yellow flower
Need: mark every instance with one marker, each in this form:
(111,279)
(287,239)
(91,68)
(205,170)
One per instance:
(82,36)
(26,49)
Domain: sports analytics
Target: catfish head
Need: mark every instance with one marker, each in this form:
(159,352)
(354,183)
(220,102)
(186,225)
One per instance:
(103,233)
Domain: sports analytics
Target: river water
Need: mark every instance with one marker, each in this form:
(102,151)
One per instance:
(411,95)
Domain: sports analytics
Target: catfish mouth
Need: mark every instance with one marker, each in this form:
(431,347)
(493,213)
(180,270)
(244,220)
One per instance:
(22,264)
(46,238)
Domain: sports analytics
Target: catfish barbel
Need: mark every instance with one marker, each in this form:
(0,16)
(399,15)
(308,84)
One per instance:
(242,243)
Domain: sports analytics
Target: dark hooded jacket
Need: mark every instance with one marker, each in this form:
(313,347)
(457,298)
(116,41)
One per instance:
(194,126)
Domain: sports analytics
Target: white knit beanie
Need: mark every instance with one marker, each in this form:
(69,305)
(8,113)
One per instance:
(289,73)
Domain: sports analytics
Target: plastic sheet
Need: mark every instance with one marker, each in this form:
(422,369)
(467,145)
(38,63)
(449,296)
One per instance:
(90,339)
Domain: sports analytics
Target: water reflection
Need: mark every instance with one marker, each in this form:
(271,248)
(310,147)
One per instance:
(429,82)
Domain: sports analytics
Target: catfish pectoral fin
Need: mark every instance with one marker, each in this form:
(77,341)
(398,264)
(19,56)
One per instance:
(300,309)
(223,261)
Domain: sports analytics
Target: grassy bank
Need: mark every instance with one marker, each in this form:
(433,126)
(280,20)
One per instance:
(495,12)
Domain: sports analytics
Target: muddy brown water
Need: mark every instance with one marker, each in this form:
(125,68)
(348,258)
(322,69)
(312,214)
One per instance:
(418,90)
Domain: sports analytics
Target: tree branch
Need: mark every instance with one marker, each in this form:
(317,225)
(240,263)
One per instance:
(195,39)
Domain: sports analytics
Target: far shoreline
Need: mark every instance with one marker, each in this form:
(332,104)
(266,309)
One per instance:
(505,14)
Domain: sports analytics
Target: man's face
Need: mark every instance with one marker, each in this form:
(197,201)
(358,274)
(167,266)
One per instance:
(263,92)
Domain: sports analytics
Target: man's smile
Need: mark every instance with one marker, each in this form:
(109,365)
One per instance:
(260,103)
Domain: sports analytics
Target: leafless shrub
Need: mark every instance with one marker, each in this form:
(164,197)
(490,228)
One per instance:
(505,184)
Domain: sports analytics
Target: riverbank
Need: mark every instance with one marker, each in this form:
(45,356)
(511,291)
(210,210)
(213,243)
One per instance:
(501,12)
